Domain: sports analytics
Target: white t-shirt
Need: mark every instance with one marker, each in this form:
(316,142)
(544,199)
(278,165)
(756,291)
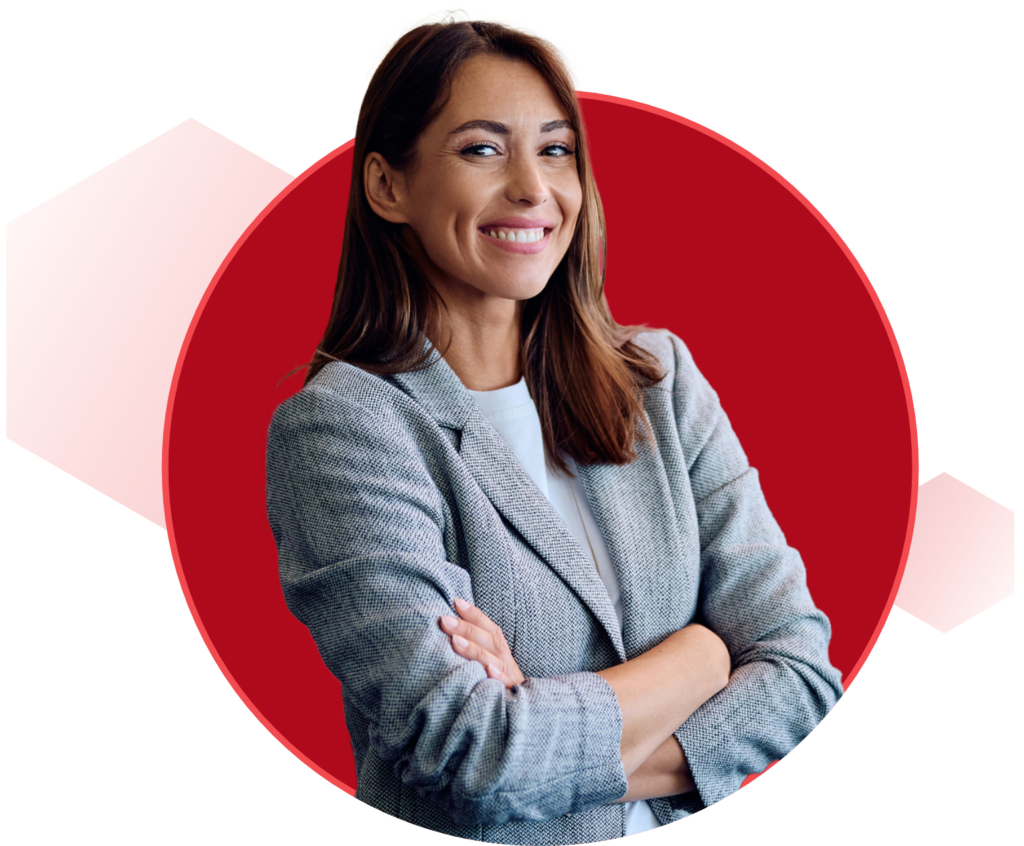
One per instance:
(512,413)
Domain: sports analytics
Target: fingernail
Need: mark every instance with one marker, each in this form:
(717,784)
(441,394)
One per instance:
(449,622)
(493,670)
(461,642)
(461,604)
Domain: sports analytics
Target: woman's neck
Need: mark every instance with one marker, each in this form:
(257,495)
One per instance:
(485,339)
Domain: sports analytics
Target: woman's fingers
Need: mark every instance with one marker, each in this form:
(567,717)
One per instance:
(475,636)
(475,616)
(489,635)
(473,642)
(491,663)
(498,645)
(479,619)
(454,626)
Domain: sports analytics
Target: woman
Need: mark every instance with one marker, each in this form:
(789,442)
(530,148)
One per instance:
(524,538)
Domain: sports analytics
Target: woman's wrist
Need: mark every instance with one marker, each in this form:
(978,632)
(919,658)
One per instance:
(665,773)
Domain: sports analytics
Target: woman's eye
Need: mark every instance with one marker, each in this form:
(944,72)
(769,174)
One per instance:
(483,151)
(557,151)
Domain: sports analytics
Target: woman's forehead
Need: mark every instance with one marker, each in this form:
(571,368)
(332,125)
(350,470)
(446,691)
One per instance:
(503,93)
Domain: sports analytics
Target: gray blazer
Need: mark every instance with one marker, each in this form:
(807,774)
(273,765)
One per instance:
(389,497)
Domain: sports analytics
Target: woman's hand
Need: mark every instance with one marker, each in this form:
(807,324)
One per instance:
(476,637)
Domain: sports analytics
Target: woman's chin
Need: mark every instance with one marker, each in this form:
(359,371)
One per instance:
(524,290)
(516,283)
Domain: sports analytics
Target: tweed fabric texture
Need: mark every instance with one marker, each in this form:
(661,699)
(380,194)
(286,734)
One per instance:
(390,496)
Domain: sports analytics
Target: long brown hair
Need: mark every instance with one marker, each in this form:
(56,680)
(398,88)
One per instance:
(583,370)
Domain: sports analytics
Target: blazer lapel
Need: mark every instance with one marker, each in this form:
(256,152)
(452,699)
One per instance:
(515,495)
(510,488)
(633,507)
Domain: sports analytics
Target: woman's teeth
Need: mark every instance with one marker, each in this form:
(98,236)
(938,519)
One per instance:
(519,236)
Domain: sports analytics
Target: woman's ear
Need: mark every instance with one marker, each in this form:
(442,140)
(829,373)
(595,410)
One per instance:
(385,188)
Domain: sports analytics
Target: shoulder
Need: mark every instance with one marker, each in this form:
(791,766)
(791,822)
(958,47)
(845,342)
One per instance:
(681,374)
(355,435)
(343,394)
(683,393)
(686,403)
(346,409)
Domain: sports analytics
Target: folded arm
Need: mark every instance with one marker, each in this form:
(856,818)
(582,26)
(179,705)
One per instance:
(359,527)
(753,594)
(656,691)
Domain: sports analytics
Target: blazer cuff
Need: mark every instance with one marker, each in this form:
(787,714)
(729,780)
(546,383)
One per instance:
(602,720)
(706,745)
(601,777)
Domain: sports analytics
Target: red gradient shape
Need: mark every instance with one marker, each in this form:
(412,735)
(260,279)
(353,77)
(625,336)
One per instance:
(777,312)
(112,265)
(961,561)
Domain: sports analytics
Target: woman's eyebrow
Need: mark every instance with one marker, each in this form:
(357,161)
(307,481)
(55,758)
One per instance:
(501,129)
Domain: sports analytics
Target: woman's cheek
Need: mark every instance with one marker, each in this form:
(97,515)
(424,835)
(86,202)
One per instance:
(571,201)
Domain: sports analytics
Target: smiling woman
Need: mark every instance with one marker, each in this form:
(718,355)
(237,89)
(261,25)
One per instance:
(456,196)
(524,537)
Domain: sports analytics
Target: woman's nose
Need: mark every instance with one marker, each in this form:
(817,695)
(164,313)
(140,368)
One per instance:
(526,183)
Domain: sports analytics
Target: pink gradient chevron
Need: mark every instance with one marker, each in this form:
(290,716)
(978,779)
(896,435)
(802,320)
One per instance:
(103,281)
(961,557)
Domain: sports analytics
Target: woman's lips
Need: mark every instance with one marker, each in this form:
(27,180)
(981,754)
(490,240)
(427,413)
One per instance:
(537,245)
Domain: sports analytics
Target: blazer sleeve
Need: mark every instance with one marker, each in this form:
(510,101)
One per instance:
(359,523)
(753,594)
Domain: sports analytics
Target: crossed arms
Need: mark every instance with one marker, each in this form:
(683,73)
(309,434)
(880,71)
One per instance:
(657,691)
(363,565)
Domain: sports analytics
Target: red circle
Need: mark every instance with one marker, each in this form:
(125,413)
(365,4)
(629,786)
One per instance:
(704,240)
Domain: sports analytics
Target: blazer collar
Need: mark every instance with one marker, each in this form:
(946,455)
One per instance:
(438,390)
(509,487)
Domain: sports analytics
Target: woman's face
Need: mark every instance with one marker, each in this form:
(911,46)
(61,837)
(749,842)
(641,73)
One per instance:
(493,193)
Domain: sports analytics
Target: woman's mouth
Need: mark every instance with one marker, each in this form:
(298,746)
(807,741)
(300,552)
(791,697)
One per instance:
(516,236)
(517,240)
